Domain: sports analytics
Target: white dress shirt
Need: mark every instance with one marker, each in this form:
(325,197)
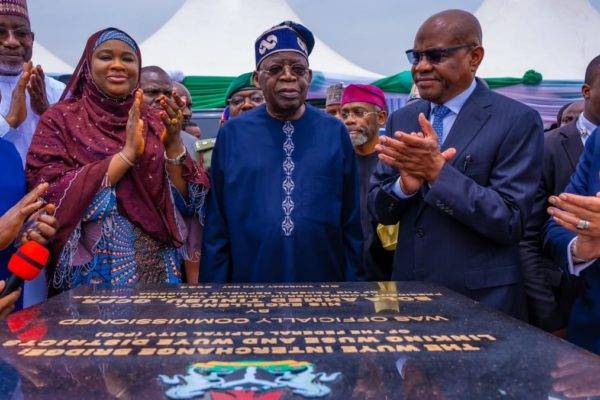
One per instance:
(585,127)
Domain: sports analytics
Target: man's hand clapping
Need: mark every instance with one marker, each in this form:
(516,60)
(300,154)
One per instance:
(580,214)
(32,80)
(37,90)
(416,156)
(18,107)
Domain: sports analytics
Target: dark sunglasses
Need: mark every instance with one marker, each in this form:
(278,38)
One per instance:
(434,56)
(296,69)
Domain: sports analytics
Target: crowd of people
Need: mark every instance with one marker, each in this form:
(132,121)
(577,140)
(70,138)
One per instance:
(463,190)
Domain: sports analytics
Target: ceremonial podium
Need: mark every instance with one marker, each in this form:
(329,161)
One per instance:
(386,340)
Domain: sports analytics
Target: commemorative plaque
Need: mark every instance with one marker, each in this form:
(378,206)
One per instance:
(386,340)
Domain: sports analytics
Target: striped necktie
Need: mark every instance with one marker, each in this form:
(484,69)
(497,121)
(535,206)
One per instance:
(439,113)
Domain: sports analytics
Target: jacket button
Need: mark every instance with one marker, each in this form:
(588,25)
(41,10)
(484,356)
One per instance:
(420,233)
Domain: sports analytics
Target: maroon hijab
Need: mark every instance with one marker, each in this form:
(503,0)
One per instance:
(74,144)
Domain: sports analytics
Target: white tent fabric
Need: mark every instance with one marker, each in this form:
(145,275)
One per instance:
(49,62)
(216,38)
(555,37)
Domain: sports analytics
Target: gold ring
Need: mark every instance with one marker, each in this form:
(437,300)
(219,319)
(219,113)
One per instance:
(179,114)
(174,121)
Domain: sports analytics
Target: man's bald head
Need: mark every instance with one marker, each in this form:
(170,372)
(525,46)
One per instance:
(154,70)
(571,112)
(446,55)
(461,26)
(155,82)
(181,90)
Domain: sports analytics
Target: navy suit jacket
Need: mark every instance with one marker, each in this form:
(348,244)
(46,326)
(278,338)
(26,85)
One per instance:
(550,292)
(584,323)
(463,230)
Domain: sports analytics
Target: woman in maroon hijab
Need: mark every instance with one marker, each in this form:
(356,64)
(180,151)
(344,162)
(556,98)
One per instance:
(129,198)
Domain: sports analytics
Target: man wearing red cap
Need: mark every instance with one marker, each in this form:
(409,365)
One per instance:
(364,111)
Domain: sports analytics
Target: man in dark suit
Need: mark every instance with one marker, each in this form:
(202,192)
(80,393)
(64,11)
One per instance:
(550,293)
(572,236)
(462,207)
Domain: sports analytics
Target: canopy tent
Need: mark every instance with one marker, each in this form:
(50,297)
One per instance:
(49,62)
(403,82)
(555,37)
(216,38)
(546,96)
(212,41)
(209,91)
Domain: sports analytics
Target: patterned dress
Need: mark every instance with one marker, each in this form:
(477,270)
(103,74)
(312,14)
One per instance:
(107,249)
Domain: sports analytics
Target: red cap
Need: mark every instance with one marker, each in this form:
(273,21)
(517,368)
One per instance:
(29,260)
(361,93)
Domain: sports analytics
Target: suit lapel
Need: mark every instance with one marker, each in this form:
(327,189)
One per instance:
(571,142)
(469,121)
(422,107)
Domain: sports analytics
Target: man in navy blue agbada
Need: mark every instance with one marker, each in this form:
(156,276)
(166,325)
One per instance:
(284,203)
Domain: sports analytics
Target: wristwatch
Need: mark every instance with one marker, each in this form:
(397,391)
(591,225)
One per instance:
(178,160)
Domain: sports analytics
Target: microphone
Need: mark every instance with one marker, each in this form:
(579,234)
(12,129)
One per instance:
(25,265)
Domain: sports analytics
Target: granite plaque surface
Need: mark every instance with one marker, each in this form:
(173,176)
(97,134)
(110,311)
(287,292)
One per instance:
(386,340)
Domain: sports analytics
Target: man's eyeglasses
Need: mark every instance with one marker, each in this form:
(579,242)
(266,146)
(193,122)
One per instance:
(434,56)
(359,113)
(21,34)
(257,99)
(296,69)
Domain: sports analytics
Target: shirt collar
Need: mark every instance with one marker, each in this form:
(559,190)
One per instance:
(584,124)
(9,78)
(457,102)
